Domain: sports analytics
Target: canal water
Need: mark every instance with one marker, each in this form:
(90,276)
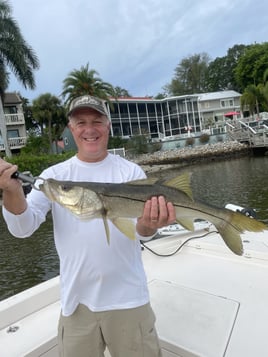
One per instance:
(27,262)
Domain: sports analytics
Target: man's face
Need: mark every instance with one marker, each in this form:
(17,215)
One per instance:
(90,130)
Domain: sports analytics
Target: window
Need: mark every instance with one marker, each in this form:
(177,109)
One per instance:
(132,110)
(13,133)
(227,103)
(10,110)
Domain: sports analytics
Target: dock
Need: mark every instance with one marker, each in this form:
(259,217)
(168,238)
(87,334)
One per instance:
(253,133)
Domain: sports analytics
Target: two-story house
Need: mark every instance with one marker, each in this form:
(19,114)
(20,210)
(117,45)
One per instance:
(170,117)
(14,122)
(216,107)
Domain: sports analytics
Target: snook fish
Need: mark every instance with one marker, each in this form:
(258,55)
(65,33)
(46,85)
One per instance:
(121,202)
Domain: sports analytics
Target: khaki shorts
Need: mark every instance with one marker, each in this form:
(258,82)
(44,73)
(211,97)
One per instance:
(126,333)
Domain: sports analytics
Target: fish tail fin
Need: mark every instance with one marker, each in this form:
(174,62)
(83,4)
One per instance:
(244,223)
(231,230)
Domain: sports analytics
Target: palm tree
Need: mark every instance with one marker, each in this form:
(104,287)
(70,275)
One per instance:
(251,98)
(16,55)
(85,81)
(265,85)
(121,92)
(49,114)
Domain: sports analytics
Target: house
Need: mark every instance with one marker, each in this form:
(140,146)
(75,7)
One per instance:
(215,107)
(169,118)
(157,118)
(14,122)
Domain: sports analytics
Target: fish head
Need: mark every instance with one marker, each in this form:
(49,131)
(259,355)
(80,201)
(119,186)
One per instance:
(84,203)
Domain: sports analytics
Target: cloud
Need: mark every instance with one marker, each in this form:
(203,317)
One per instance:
(136,46)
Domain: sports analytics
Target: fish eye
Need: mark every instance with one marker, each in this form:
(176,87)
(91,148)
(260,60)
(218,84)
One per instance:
(65,187)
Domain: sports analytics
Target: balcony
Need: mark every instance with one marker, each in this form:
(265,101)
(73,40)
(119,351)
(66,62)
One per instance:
(14,119)
(15,143)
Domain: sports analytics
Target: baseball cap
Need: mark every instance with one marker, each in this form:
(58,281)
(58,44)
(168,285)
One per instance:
(88,101)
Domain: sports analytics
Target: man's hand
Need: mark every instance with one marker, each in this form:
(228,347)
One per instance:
(157,213)
(6,170)
(13,195)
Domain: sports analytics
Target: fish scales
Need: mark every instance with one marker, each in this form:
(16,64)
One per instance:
(122,202)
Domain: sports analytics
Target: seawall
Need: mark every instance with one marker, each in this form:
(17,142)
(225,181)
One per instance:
(189,156)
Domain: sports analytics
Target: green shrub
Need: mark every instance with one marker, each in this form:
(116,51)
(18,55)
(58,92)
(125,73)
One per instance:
(137,144)
(190,141)
(153,147)
(37,163)
(116,142)
(204,138)
(36,145)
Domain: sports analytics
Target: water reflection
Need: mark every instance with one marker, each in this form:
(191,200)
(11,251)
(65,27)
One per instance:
(241,181)
(27,262)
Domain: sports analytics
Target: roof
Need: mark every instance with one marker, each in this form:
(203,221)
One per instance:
(201,97)
(151,99)
(12,98)
(218,95)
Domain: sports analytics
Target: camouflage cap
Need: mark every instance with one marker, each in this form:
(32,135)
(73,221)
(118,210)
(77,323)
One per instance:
(88,101)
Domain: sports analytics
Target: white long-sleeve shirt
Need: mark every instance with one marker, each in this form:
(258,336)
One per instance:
(98,275)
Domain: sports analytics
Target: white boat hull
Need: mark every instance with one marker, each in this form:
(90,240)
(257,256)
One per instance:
(208,301)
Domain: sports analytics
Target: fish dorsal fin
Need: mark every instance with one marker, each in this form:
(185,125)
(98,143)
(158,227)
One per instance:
(147,181)
(181,183)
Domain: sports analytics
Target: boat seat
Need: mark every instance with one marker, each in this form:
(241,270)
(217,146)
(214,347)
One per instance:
(29,320)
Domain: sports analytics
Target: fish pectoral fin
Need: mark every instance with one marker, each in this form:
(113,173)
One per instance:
(106,226)
(125,226)
(187,223)
(181,183)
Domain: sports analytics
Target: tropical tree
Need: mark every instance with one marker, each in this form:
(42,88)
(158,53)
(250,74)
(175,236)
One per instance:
(121,92)
(265,86)
(85,81)
(190,75)
(31,125)
(251,99)
(49,113)
(252,65)
(220,74)
(16,55)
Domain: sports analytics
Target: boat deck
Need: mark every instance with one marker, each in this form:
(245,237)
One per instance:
(208,301)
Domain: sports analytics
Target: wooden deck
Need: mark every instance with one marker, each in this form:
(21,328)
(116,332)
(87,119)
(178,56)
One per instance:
(254,134)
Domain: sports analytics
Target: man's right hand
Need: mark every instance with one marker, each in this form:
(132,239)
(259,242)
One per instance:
(13,195)
(6,182)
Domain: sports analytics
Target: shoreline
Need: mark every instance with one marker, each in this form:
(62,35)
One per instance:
(177,158)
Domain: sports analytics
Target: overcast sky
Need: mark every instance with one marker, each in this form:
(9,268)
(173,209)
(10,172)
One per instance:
(132,44)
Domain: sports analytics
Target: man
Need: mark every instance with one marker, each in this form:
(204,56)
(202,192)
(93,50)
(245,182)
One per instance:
(104,294)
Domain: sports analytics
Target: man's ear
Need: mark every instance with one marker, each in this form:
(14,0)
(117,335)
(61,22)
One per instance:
(70,126)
